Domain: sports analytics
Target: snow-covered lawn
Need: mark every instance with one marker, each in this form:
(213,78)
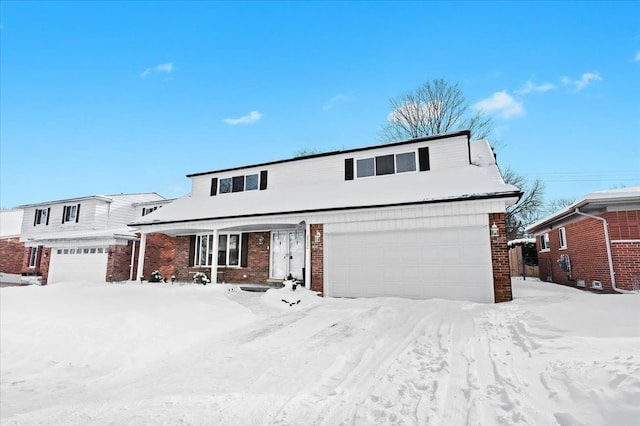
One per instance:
(86,353)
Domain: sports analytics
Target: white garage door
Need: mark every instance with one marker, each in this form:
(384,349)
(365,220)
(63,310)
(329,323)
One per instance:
(449,263)
(82,264)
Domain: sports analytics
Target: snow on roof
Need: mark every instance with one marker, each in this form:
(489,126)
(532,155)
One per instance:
(123,232)
(144,196)
(597,198)
(471,181)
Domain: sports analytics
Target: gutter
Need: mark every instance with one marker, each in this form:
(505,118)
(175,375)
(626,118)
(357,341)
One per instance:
(605,225)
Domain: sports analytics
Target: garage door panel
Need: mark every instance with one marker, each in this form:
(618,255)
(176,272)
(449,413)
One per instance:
(79,266)
(453,263)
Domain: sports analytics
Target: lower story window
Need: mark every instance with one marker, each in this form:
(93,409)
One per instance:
(203,250)
(229,250)
(33,256)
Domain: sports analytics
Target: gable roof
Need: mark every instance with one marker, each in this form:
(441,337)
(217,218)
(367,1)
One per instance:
(143,197)
(594,201)
(479,180)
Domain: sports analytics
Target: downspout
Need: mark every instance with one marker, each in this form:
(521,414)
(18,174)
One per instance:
(605,225)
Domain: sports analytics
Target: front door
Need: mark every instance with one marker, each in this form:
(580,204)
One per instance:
(287,254)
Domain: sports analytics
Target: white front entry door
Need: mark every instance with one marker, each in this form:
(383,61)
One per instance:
(287,254)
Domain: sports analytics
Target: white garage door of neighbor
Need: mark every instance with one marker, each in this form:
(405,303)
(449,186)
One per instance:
(449,263)
(78,266)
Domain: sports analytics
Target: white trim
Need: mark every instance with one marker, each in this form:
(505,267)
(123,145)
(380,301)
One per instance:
(143,248)
(625,241)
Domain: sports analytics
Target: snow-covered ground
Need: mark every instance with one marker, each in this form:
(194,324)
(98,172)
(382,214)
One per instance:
(147,354)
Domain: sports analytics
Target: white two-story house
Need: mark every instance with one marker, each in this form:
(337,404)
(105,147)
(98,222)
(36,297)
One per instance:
(421,218)
(83,239)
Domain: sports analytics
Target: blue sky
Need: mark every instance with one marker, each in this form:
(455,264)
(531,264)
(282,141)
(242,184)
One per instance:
(123,97)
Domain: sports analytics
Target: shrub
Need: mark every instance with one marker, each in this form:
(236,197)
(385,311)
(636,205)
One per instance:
(156,277)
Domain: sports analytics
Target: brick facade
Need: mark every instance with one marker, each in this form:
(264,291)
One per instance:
(42,264)
(587,250)
(317,258)
(500,260)
(257,269)
(12,253)
(119,262)
(160,255)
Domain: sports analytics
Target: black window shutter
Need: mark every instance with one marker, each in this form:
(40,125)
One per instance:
(263,180)
(192,247)
(64,213)
(48,214)
(78,213)
(423,158)
(39,255)
(348,169)
(214,186)
(35,218)
(244,255)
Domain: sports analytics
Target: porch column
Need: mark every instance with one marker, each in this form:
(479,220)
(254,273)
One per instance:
(214,258)
(141,254)
(307,256)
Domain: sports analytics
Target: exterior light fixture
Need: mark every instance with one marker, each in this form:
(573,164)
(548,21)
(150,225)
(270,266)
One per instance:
(317,237)
(261,240)
(494,230)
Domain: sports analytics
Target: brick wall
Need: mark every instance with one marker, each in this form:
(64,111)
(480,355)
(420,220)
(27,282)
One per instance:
(160,254)
(626,261)
(118,262)
(317,258)
(181,260)
(500,260)
(12,253)
(257,269)
(587,250)
(624,225)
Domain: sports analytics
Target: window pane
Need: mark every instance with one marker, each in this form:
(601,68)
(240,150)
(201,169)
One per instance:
(406,162)
(203,250)
(365,167)
(384,165)
(238,183)
(234,249)
(251,182)
(222,250)
(225,185)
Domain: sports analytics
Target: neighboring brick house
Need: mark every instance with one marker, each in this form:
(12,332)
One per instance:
(594,243)
(12,251)
(87,238)
(420,218)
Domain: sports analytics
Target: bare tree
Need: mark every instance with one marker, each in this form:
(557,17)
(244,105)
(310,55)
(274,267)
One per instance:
(434,108)
(557,204)
(528,209)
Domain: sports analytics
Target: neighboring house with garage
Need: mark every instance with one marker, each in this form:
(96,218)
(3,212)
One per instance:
(421,218)
(83,239)
(11,249)
(593,243)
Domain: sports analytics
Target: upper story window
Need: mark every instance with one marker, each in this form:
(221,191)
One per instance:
(147,210)
(41,217)
(562,236)
(239,183)
(387,164)
(71,213)
(544,242)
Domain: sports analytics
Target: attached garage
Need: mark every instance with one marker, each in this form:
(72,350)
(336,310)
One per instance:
(449,263)
(78,264)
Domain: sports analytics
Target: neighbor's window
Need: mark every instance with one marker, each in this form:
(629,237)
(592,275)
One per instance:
(406,162)
(33,256)
(147,210)
(544,242)
(225,185)
(70,213)
(229,250)
(562,236)
(203,253)
(42,217)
